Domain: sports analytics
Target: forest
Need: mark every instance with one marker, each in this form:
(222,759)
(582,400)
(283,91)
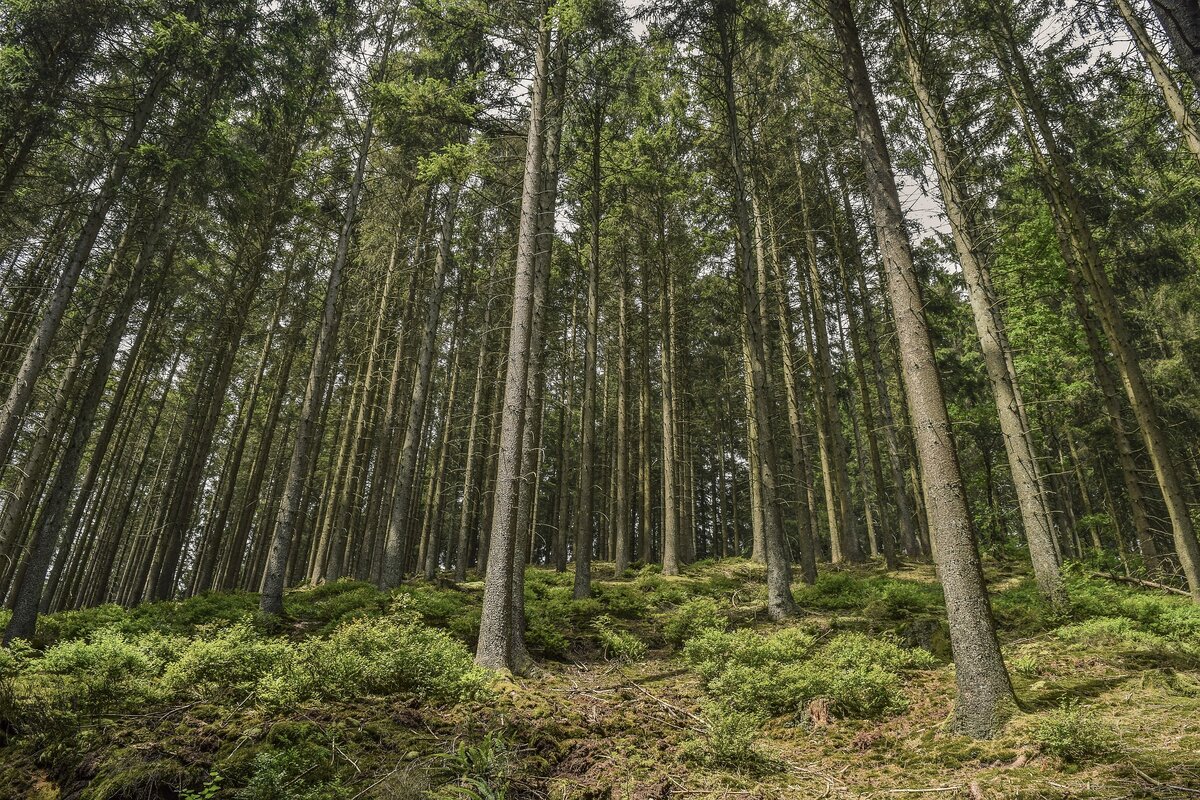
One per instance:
(583,399)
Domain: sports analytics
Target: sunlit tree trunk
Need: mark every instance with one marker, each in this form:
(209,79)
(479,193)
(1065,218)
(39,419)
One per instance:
(1018,440)
(496,624)
(984,692)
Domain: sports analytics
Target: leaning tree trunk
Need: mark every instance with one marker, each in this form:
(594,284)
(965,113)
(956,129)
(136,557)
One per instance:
(984,692)
(29,590)
(1176,104)
(271,601)
(1018,441)
(1083,252)
(38,349)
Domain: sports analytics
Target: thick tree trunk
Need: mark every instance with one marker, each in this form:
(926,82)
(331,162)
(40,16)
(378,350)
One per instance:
(1181,20)
(496,624)
(984,692)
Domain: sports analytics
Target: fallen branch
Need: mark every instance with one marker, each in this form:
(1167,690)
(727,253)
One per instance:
(1141,582)
(1155,782)
(930,789)
(676,709)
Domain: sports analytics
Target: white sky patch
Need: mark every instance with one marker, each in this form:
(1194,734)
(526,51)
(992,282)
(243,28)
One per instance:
(922,204)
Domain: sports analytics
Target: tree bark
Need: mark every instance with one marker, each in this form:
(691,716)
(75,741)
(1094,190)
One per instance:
(984,692)
(1018,439)
(494,649)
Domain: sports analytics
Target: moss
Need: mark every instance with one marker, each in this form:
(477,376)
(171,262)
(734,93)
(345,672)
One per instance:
(136,773)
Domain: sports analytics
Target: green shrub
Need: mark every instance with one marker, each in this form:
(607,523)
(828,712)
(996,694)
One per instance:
(1023,608)
(1072,733)
(437,607)
(896,599)
(14,659)
(618,644)
(784,672)
(623,600)
(1121,634)
(855,649)
(875,596)
(1029,666)
(191,616)
(233,659)
(107,670)
(1103,631)
(730,741)
(330,603)
(390,655)
(711,652)
(478,770)
(692,618)
(835,591)
(1170,617)
(662,591)
(81,623)
(542,635)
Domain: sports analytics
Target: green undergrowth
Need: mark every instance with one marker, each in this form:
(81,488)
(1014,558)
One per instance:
(359,693)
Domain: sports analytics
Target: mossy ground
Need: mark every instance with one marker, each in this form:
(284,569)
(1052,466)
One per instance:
(1109,694)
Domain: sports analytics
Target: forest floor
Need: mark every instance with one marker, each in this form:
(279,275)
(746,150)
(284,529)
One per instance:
(653,688)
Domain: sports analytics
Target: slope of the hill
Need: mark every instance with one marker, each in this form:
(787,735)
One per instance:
(655,687)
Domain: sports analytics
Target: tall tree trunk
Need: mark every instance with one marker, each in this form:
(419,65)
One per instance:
(670,501)
(984,692)
(622,533)
(646,516)
(800,476)
(271,601)
(584,513)
(1018,439)
(396,544)
(496,623)
(474,457)
(780,603)
(843,532)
